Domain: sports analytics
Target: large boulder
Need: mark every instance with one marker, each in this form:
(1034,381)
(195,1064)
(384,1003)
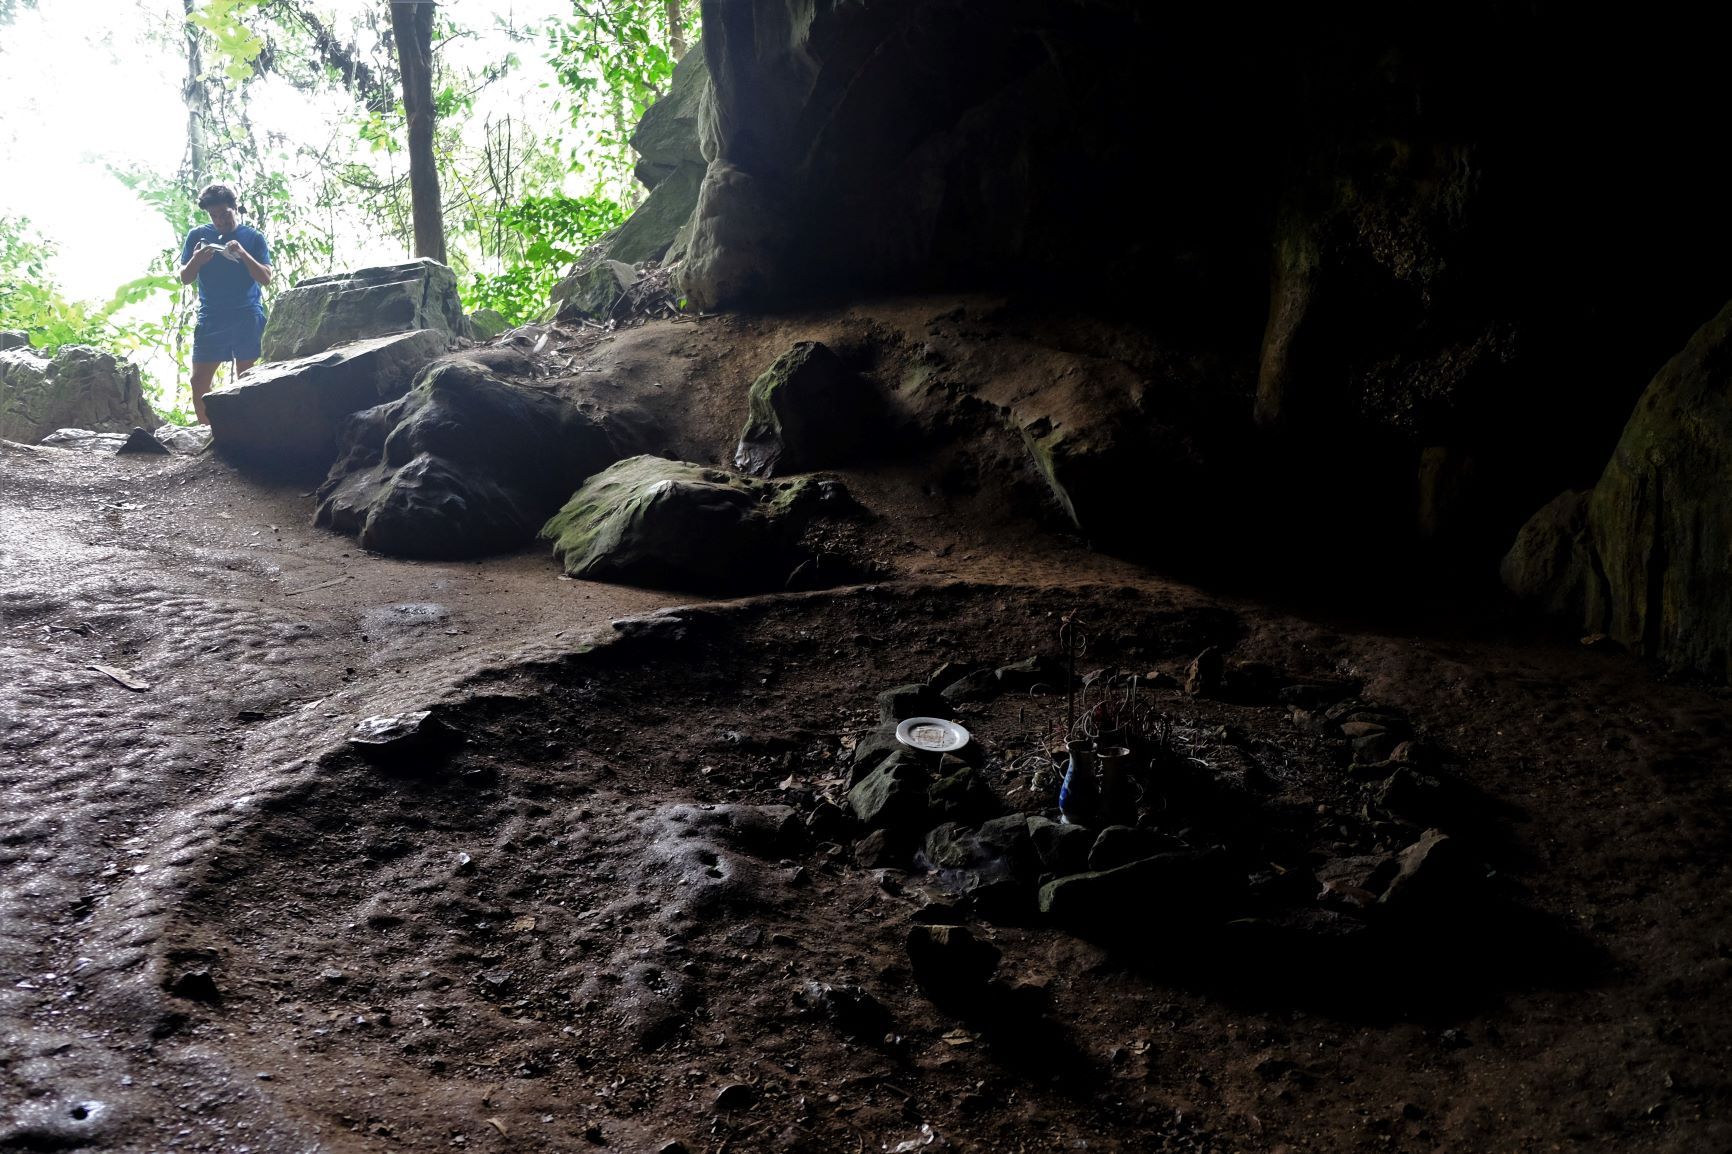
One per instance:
(734,249)
(1551,563)
(667,135)
(78,387)
(1112,441)
(808,410)
(485,324)
(653,228)
(1660,519)
(673,524)
(592,292)
(671,165)
(464,465)
(284,417)
(1652,565)
(322,312)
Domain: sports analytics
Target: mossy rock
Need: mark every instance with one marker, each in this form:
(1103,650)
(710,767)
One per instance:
(485,324)
(677,525)
(808,410)
(1660,519)
(1646,557)
(78,388)
(322,312)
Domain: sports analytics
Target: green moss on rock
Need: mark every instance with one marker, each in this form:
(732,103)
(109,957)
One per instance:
(675,524)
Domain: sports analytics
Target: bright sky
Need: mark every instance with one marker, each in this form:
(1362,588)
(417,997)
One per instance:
(88,81)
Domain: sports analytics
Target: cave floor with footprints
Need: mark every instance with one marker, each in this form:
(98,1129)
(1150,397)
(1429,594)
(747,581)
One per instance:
(611,919)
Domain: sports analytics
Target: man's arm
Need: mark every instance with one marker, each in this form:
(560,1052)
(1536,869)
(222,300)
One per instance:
(259,270)
(192,259)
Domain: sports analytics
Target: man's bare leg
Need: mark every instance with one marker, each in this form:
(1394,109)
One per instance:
(203,372)
(242,366)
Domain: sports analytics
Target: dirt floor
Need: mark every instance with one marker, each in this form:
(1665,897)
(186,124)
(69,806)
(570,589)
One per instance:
(623,915)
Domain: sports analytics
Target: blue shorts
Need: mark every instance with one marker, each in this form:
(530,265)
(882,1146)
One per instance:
(227,336)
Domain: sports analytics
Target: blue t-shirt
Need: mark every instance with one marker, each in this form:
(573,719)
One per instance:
(225,285)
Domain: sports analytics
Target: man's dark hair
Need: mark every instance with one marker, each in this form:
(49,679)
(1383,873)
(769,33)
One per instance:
(218,194)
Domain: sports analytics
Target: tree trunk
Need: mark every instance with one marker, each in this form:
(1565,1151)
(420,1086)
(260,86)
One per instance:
(676,30)
(412,24)
(197,101)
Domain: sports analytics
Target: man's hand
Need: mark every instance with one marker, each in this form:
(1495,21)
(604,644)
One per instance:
(200,257)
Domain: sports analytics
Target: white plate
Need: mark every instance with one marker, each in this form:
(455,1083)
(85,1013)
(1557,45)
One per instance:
(932,734)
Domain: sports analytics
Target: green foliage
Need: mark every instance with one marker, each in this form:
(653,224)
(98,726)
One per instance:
(9,10)
(30,300)
(552,232)
(614,59)
(618,50)
(236,46)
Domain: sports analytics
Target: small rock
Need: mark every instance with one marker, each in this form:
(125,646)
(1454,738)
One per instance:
(873,750)
(914,700)
(673,1146)
(950,960)
(735,1096)
(1418,798)
(1376,746)
(409,737)
(876,851)
(1033,673)
(1203,675)
(142,441)
(980,686)
(829,822)
(195,986)
(1063,849)
(849,1008)
(934,906)
(1145,895)
(1413,753)
(1355,882)
(333,976)
(962,796)
(892,796)
(1434,874)
(950,672)
(1118,845)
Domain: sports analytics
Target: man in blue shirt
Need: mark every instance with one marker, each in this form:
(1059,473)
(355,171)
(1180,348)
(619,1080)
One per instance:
(230,261)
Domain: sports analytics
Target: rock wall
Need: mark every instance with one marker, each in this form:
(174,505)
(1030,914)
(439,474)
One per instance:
(1447,243)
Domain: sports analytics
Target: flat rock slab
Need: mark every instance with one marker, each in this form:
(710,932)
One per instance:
(284,417)
(323,312)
